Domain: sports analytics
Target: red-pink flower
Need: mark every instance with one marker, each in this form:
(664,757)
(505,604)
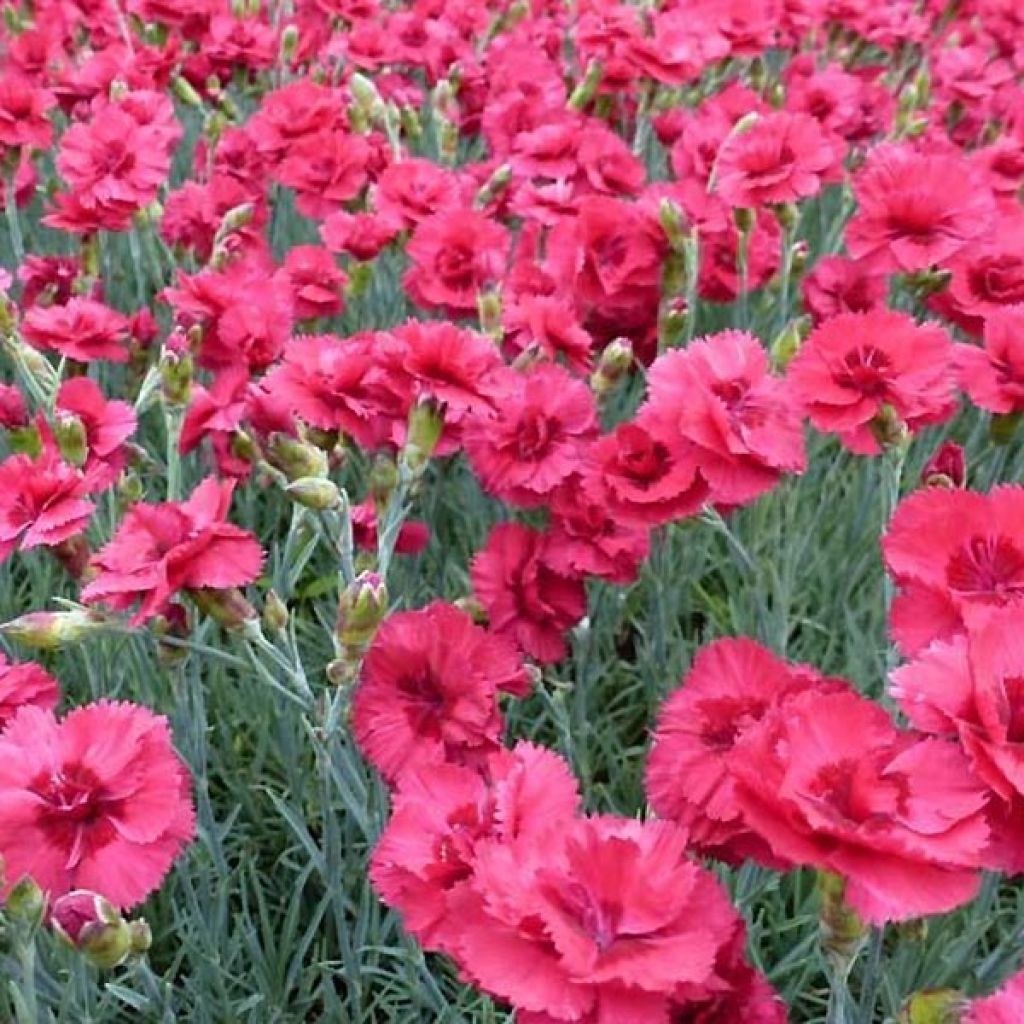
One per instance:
(740,419)
(162,549)
(535,436)
(782,158)
(98,800)
(24,110)
(733,686)
(855,364)
(993,375)
(107,424)
(42,501)
(954,554)
(840,285)
(455,255)
(831,783)
(916,209)
(83,329)
(315,282)
(25,683)
(428,690)
(604,919)
(440,812)
(525,596)
(1004,1006)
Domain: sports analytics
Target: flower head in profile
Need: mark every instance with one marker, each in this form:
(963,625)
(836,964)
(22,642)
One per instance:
(161,550)
(98,800)
(428,690)
(855,365)
(993,374)
(83,329)
(954,554)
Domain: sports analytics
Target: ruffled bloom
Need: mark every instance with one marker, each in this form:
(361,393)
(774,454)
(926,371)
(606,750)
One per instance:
(721,396)
(441,812)
(98,800)
(22,684)
(954,554)
(855,364)
(535,436)
(993,375)
(428,690)
(916,210)
(606,919)
(160,550)
(106,424)
(525,596)
(840,285)
(733,686)
(82,329)
(1005,1006)
(834,785)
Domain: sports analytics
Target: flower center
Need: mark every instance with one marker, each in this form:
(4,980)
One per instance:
(865,369)
(987,568)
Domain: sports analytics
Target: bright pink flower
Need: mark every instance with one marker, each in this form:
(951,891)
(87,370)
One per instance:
(298,110)
(361,235)
(916,210)
(13,411)
(525,596)
(413,536)
(548,324)
(409,192)
(42,501)
(604,919)
(739,418)
(455,255)
(82,329)
(162,549)
(782,158)
(48,280)
(440,812)
(947,466)
(22,684)
(954,554)
(970,688)
(428,689)
(24,110)
(535,436)
(315,282)
(98,800)
(840,285)
(831,783)
(993,376)
(326,171)
(855,364)
(647,472)
(1005,1006)
(733,686)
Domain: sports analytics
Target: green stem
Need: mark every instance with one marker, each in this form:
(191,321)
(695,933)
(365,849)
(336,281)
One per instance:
(13,224)
(892,476)
(27,1002)
(173,420)
(786,274)
(743,266)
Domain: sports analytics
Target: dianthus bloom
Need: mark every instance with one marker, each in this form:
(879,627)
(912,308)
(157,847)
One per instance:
(971,688)
(916,210)
(1005,1006)
(42,501)
(455,255)
(993,375)
(840,285)
(107,425)
(733,685)
(534,437)
(24,683)
(98,800)
(832,784)
(82,329)
(162,549)
(604,919)
(721,396)
(440,812)
(855,364)
(782,158)
(953,553)
(428,690)
(525,596)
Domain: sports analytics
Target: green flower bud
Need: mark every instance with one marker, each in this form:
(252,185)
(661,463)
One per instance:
(26,903)
(315,492)
(51,631)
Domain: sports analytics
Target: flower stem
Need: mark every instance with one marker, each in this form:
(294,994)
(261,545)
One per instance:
(13,225)
(173,420)
(24,992)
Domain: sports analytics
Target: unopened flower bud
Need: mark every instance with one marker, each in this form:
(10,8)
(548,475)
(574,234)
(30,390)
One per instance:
(275,613)
(494,186)
(936,1006)
(185,92)
(672,220)
(26,903)
(426,424)
(946,468)
(787,214)
(842,931)
(587,88)
(888,428)
(615,362)
(229,608)
(295,458)
(473,608)
(488,305)
(50,631)
(365,94)
(93,926)
(141,936)
(175,378)
(315,492)
(744,220)
(289,43)
(383,480)
(787,343)
(69,432)
(73,553)
(362,606)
